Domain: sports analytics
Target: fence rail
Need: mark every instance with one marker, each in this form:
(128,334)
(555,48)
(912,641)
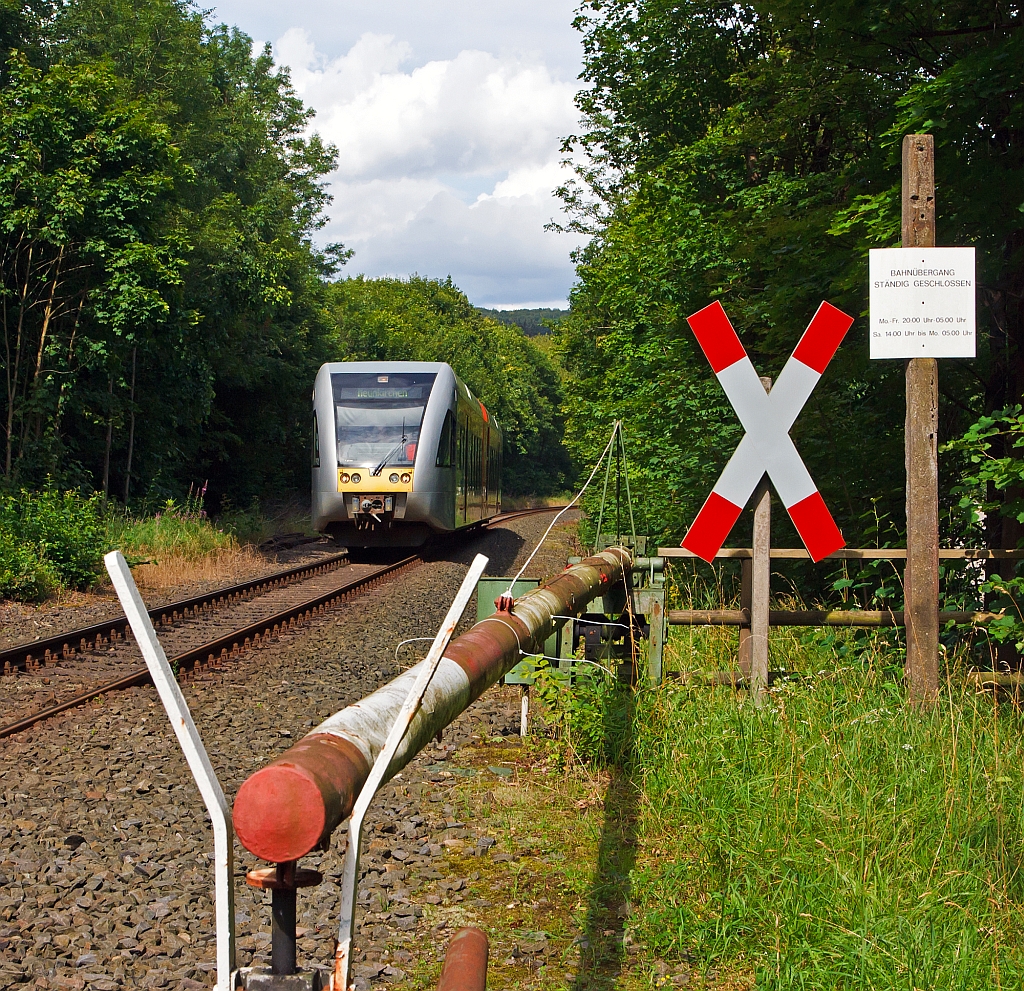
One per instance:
(814,617)
(853,553)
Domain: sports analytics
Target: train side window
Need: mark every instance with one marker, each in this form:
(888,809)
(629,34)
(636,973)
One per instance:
(316,443)
(444,445)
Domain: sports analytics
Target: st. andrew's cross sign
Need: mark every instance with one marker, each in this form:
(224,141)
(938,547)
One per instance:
(766,446)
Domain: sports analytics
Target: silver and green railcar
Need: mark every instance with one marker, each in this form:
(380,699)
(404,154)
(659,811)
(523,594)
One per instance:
(402,450)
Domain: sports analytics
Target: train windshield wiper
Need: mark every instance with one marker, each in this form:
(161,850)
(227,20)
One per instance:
(387,457)
(398,447)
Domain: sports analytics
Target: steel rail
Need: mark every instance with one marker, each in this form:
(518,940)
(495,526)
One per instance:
(28,656)
(239,641)
(230,645)
(513,514)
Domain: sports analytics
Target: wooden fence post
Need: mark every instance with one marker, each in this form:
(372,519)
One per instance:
(760,585)
(921,577)
(746,601)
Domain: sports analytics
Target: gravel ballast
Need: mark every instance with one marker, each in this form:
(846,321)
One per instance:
(106,849)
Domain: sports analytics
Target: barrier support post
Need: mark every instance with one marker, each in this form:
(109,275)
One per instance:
(746,601)
(760,584)
(760,592)
(195,754)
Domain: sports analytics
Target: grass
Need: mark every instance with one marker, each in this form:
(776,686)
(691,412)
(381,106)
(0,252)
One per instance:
(182,531)
(834,838)
(52,542)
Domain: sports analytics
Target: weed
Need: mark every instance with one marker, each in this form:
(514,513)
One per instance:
(179,530)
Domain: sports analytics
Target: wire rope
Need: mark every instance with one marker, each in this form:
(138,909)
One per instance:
(410,640)
(575,499)
(604,491)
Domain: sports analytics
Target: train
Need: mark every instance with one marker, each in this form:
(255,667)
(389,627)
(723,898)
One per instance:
(402,451)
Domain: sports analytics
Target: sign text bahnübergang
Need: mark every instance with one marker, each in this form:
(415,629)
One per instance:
(923,278)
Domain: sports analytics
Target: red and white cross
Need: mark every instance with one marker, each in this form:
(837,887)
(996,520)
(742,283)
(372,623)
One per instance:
(766,446)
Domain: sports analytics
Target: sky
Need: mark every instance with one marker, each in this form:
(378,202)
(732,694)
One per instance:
(448,117)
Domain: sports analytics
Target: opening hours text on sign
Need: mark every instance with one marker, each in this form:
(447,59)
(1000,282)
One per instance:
(922,302)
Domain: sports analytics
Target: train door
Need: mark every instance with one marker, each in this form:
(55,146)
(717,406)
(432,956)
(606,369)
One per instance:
(474,473)
(485,481)
(462,472)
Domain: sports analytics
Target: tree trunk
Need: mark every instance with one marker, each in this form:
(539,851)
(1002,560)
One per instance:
(131,430)
(110,435)
(12,372)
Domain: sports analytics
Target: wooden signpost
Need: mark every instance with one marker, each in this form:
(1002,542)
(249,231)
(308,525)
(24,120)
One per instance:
(922,309)
(921,577)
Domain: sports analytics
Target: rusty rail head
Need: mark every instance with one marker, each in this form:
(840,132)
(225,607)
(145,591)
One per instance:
(465,963)
(294,803)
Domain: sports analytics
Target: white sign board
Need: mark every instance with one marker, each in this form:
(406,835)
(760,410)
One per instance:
(922,302)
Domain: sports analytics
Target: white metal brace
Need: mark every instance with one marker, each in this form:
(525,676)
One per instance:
(350,871)
(195,753)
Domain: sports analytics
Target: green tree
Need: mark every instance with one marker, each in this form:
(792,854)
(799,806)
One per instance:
(421,319)
(750,153)
(165,305)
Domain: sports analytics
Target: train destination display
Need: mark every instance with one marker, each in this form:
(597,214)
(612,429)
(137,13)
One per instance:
(922,302)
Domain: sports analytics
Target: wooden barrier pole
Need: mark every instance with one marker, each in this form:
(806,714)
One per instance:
(921,577)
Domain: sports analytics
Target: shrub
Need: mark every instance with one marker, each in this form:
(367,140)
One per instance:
(590,717)
(49,540)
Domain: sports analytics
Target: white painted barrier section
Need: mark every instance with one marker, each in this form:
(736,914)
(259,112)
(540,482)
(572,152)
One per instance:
(195,753)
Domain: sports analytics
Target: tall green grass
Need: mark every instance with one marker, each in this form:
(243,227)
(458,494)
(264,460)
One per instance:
(836,837)
(183,530)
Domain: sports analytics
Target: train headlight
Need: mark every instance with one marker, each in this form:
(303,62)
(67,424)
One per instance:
(356,477)
(394,478)
(406,477)
(344,478)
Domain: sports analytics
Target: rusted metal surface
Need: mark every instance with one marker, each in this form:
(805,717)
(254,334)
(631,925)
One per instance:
(37,653)
(224,647)
(340,978)
(516,513)
(465,963)
(310,777)
(816,617)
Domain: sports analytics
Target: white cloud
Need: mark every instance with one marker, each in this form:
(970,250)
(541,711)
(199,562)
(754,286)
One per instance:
(444,168)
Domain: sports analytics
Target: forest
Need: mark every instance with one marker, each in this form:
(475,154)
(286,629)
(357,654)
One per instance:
(166,296)
(164,302)
(751,153)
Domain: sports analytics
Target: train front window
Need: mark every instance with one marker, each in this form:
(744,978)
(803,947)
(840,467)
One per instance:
(378,416)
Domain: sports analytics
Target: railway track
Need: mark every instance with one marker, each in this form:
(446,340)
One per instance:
(33,656)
